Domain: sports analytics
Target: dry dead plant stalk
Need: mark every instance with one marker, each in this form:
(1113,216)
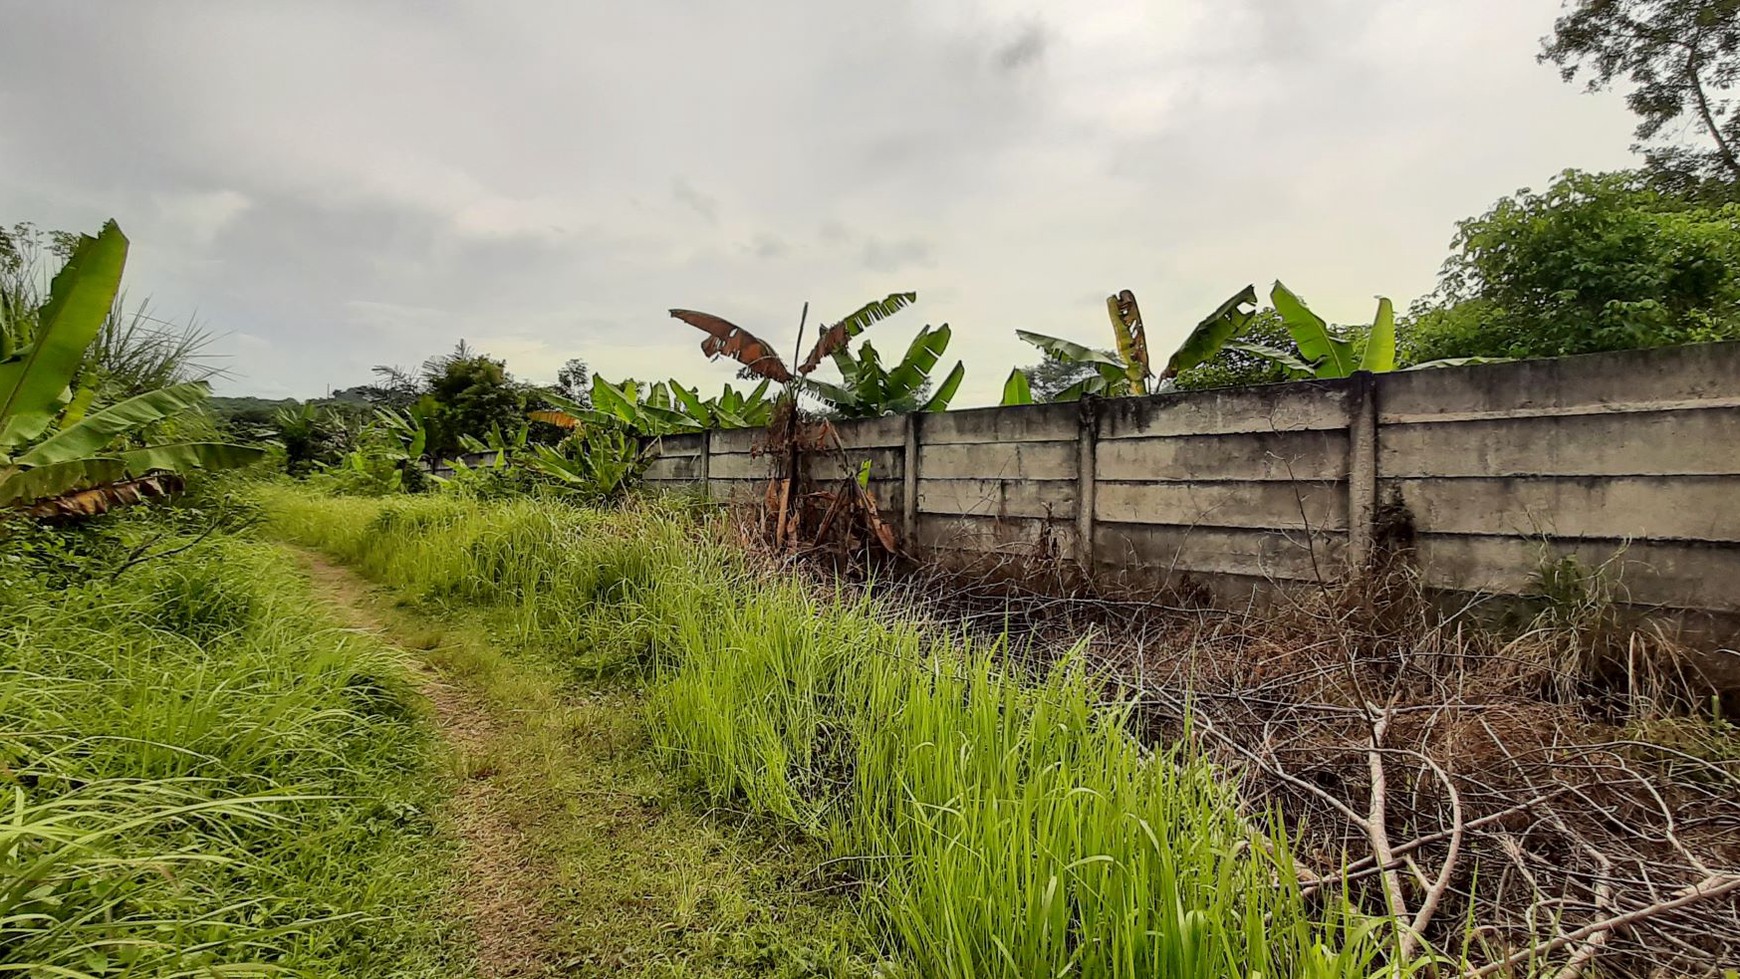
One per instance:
(1441,772)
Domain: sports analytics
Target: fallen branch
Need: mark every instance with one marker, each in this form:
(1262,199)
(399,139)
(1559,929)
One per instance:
(1704,890)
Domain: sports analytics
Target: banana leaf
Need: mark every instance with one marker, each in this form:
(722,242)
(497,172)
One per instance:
(831,393)
(726,418)
(834,338)
(618,403)
(660,420)
(1017,390)
(1283,358)
(21,486)
(34,380)
(1455,362)
(725,337)
(945,392)
(1216,330)
(701,411)
(182,456)
(1070,352)
(1331,355)
(1380,345)
(98,430)
(556,417)
(1132,340)
(1096,385)
(921,357)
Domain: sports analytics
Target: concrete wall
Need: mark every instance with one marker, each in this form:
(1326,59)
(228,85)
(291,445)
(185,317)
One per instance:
(1630,459)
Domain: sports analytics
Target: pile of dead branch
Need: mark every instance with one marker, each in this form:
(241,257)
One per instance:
(1558,799)
(831,519)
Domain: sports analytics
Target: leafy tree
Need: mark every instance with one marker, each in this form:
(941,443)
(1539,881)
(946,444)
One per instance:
(1680,56)
(1238,367)
(1054,374)
(1594,262)
(473,394)
(459,393)
(574,381)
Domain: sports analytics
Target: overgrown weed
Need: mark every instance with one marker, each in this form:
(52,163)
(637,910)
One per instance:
(995,821)
(200,772)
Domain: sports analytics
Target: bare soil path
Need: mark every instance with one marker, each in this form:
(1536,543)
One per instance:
(503,885)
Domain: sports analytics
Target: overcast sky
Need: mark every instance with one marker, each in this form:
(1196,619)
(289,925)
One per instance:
(332,184)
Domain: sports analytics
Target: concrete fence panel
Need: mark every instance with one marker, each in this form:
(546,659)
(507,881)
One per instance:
(1628,461)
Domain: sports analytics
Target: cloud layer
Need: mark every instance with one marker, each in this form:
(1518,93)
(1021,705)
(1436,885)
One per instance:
(336,185)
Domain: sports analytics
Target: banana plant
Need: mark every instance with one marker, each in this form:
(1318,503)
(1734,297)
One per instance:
(500,448)
(597,466)
(409,429)
(665,408)
(1127,371)
(731,409)
(1323,353)
(866,388)
(50,446)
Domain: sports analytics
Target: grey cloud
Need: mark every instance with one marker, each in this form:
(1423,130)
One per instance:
(767,245)
(339,185)
(694,200)
(1026,49)
(892,256)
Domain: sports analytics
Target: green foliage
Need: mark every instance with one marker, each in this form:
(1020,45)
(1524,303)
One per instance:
(1053,375)
(1230,320)
(599,466)
(1002,819)
(836,338)
(1321,351)
(1105,373)
(1017,390)
(1328,353)
(1682,61)
(313,435)
(1595,262)
(97,431)
(200,775)
(662,408)
(471,393)
(868,390)
(1232,366)
(34,378)
(50,445)
(574,380)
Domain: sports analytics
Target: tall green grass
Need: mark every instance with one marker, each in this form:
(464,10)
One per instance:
(1002,820)
(199,775)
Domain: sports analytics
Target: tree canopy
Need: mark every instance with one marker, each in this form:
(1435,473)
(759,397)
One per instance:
(1594,262)
(1681,58)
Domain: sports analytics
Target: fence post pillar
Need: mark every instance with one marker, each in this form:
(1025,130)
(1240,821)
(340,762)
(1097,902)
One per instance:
(1087,449)
(704,464)
(909,482)
(1362,471)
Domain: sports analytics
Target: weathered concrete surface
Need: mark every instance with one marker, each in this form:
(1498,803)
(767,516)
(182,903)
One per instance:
(1628,461)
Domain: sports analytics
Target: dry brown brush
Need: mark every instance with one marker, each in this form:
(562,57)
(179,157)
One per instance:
(1556,797)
